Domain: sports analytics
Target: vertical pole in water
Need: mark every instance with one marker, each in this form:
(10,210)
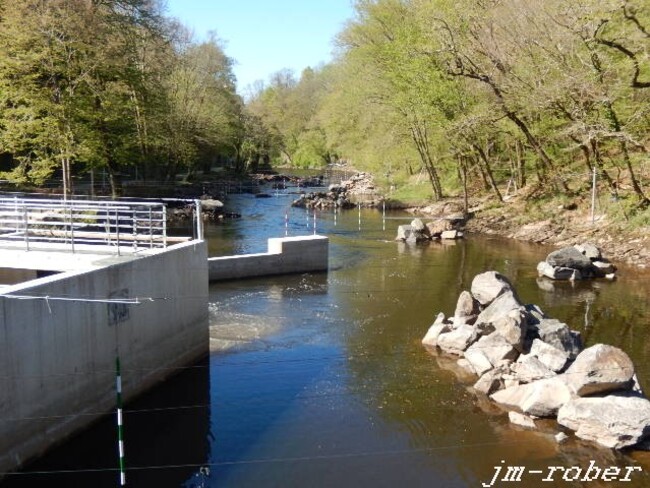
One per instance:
(120,432)
(286,223)
(593,197)
(359,215)
(335,214)
(314,221)
(383,213)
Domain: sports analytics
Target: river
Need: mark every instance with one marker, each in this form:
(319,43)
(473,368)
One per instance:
(320,380)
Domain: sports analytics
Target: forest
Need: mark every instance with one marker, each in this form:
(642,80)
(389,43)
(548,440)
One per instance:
(478,96)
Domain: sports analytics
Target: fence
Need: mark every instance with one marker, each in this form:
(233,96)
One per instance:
(71,224)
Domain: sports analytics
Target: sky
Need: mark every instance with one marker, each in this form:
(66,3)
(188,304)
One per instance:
(265,36)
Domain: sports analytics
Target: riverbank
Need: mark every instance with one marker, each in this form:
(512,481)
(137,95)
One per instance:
(553,224)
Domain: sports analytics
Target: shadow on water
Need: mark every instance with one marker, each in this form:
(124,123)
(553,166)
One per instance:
(167,426)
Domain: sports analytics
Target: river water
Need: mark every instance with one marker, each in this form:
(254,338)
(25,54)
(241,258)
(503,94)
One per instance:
(320,380)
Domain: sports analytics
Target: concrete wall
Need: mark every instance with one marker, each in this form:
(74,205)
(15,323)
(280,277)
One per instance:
(286,255)
(57,358)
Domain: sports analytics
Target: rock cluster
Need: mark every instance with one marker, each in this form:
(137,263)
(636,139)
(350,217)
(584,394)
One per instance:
(211,209)
(536,366)
(359,189)
(418,231)
(582,261)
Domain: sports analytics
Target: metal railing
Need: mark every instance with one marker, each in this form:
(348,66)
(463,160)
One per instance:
(116,226)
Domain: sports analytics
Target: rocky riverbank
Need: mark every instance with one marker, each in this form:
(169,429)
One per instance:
(535,367)
(566,227)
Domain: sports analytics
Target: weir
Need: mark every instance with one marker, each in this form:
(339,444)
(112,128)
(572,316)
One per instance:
(69,309)
(286,255)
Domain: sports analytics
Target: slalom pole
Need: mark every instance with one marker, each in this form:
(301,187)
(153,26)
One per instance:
(286,223)
(314,222)
(120,431)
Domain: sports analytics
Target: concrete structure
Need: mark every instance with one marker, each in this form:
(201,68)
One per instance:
(286,255)
(60,334)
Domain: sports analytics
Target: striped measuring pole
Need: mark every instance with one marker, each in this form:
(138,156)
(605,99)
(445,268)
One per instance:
(120,431)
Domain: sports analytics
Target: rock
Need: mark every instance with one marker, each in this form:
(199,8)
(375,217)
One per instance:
(451,234)
(457,340)
(210,205)
(553,358)
(495,348)
(554,272)
(589,250)
(558,335)
(403,232)
(417,225)
(505,315)
(438,227)
(479,361)
(535,314)
(529,368)
(488,286)
(603,268)
(542,398)
(467,308)
(615,421)
(561,437)
(438,327)
(570,257)
(600,369)
(466,365)
(521,420)
(490,382)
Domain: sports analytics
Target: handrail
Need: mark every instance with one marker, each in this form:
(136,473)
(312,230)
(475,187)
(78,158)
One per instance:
(107,226)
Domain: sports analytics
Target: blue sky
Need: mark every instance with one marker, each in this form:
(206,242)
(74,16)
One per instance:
(265,36)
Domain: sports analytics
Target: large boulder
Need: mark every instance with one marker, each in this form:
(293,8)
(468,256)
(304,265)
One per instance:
(542,398)
(486,287)
(600,369)
(553,358)
(458,340)
(558,335)
(615,421)
(506,316)
(570,257)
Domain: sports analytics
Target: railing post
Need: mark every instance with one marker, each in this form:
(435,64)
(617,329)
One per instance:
(164,223)
(71,229)
(150,229)
(26,221)
(135,231)
(199,220)
(117,230)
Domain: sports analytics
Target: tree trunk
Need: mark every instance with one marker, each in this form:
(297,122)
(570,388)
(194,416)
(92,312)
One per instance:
(488,171)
